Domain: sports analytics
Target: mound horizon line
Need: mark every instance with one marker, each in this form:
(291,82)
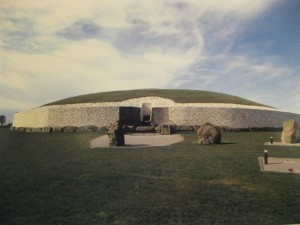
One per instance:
(177,95)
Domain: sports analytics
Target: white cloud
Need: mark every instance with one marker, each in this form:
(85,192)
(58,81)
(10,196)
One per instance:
(243,7)
(53,15)
(253,69)
(85,67)
(147,44)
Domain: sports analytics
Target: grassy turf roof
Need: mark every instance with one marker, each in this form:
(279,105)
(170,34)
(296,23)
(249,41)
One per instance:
(179,96)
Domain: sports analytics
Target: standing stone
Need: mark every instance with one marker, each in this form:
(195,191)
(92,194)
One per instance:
(290,133)
(116,134)
(209,134)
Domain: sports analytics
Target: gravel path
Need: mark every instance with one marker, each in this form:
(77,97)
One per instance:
(140,140)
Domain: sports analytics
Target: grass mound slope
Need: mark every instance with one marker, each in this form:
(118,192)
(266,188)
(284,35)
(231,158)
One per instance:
(179,96)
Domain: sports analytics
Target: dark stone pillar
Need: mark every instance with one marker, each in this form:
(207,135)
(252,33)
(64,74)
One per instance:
(116,134)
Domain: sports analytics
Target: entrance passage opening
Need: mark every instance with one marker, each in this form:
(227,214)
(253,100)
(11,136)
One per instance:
(146,118)
(146,112)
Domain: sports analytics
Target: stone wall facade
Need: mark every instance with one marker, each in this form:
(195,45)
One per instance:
(62,116)
(35,118)
(164,111)
(161,116)
(229,117)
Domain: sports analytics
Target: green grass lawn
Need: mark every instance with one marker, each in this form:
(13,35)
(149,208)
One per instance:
(54,178)
(177,95)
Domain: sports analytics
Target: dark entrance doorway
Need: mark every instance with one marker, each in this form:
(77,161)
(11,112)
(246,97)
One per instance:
(146,118)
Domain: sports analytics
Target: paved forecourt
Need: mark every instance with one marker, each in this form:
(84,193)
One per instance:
(281,165)
(139,140)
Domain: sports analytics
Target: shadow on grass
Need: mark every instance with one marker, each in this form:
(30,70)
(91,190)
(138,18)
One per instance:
(228,143)
(138,145)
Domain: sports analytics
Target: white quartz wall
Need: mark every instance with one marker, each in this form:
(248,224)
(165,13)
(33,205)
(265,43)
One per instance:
(83,116)
(229,117)
(101,114)
(61,116)
(200,115)
(37,117)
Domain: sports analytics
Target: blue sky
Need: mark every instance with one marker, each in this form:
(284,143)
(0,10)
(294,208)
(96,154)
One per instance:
(55,49)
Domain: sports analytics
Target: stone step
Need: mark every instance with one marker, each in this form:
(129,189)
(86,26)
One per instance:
(165,129)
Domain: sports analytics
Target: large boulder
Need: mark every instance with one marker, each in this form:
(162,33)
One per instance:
(36,129)
(129,128)
(145,129)
(209,134)
(90,128)
(290,133)
(69,129)
(116,134)
(47,129)
(58,129)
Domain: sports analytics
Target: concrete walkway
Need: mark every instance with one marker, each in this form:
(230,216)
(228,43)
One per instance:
(139,140)
(281,165)
(283,144)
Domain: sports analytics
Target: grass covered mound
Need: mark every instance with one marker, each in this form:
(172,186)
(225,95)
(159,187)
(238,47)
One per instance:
(179,96)
(54,178)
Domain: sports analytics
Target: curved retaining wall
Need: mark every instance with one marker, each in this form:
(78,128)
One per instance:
(230,117)
(163,111)
(66,116)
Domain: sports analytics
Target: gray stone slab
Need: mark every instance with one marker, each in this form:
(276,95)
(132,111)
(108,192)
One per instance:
(141,140)
(281,165)
(283,144)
